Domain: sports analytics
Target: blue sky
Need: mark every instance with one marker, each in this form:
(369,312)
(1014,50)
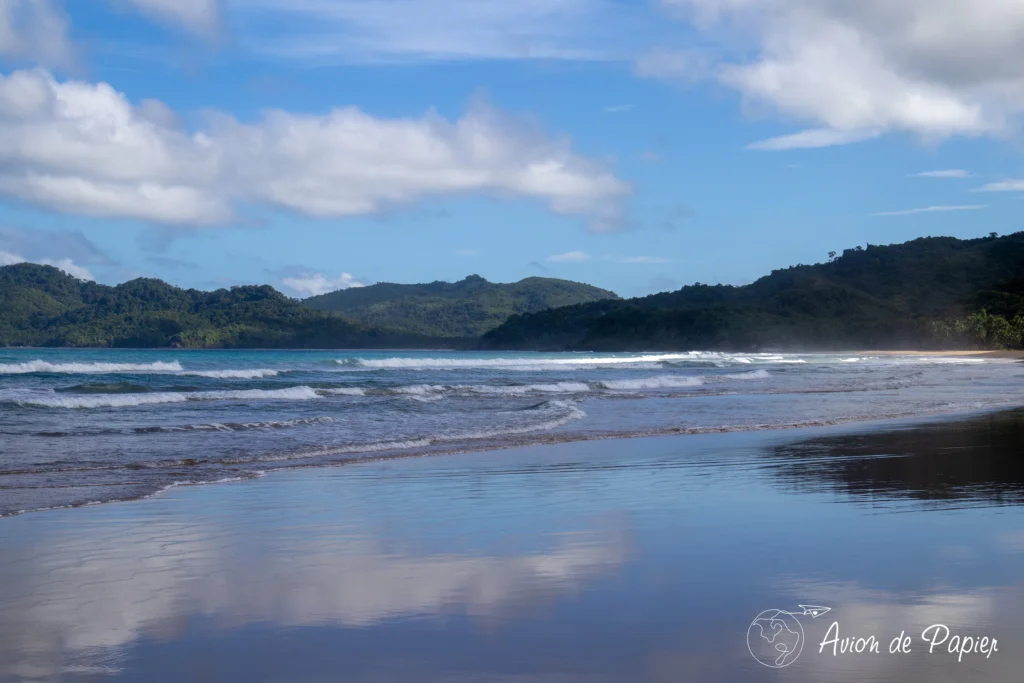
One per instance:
(638,145)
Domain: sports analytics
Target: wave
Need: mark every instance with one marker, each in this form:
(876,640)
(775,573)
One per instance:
(342,391)
(114,388)
(238,426)
(547,363)
(662,382)
(131,400)
(753,374)
(41,366)
(258,373)
(158,367)
(569,412)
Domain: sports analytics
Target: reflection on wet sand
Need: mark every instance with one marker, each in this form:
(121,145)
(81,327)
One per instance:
(606,562)
(81,596)
(968,462)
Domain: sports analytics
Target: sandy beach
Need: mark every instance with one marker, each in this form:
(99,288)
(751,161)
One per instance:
(607,561)
(948,354)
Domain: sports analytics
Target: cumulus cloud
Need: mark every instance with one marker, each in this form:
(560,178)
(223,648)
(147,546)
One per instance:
(931,209)
(85,148)
(853,70)
(570,257)
(67,265)
(312,284)
(36,243)
(65,249)
(35,30)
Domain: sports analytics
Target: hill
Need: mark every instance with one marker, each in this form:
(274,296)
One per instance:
(42,306)
(467,308)
(928,293)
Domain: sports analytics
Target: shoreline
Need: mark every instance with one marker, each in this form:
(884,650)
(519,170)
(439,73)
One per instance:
(531,565)
(853,425)
(941,354)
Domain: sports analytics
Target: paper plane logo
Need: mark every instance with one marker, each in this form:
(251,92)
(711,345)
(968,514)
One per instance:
(776,637)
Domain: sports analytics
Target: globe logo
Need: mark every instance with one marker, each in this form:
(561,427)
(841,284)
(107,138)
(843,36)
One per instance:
(776,637)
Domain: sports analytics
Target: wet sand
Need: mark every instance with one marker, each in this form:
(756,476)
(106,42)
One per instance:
(624,561)
(940,354)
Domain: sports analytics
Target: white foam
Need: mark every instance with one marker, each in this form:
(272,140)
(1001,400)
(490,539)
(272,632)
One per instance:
(518,390)
(753,374)
(131,400)
(572,412)
(660,382)
(41,366)
(158,367)
(343,391)
(521,363)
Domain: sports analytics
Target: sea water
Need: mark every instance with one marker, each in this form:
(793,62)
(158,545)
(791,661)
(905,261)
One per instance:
(87,426)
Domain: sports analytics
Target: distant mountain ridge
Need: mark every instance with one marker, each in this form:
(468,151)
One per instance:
(929,292)
(467,308)
(42,306)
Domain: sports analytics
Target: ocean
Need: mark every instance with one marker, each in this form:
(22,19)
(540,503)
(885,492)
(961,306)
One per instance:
(91,426)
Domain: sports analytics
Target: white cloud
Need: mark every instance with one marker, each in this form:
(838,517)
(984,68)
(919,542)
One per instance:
(312,284)
(618,108)
(199,16)
(646,259)
(569,257)
(67,265)
(414,30)
(812,139)
(855,69)
(931,209)
(1004,186)
(949,173)
(85,148)
(36,30)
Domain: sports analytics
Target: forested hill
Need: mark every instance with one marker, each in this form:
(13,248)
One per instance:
(42,306)
(467,308)
(930,292)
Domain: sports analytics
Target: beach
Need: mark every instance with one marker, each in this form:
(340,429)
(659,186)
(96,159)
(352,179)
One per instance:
(643,559)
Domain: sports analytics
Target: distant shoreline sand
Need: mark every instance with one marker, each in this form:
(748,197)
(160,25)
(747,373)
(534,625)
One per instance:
(987,354)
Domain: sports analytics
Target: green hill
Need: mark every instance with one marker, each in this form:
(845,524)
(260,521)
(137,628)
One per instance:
(42,306)
(467,308)
(928,293)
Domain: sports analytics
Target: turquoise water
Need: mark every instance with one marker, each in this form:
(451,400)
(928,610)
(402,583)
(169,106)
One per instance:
(84,426)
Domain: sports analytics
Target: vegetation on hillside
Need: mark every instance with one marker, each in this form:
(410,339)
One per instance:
(938,292)
(929,293)
(42,306)
(467,308)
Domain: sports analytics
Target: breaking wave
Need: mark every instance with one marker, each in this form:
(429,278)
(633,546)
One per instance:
(41,366)
(131,400)
(158,367)
(541,363)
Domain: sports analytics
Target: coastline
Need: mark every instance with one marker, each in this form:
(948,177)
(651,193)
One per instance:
(437,451)
(940,354)
(532,562)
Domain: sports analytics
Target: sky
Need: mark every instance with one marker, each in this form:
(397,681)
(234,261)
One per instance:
(637,145)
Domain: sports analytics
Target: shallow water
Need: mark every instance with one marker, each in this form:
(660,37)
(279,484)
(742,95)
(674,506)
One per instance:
(89,426)
(609,561)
